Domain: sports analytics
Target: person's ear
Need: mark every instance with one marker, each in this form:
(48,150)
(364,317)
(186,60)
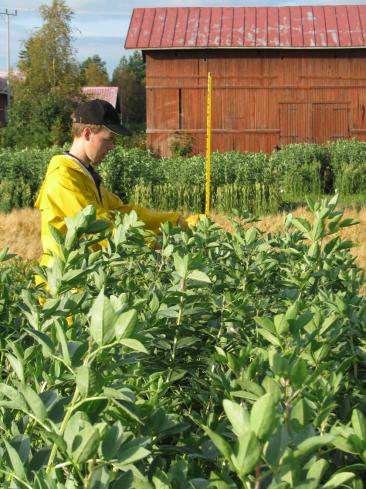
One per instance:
(87,133)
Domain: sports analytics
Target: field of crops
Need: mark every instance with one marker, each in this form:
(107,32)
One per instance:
(213,360)
(257,182)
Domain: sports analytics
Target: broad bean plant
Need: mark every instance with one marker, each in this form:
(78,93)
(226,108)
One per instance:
(191,359)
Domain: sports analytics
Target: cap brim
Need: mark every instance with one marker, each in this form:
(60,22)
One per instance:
(118,129)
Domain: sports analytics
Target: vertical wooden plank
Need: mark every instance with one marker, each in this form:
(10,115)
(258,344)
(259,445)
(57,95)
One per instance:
(273,27)
(297,39)
(214,38)
(146,28)
(169,28)
(261,27)
(180,28)
(355,25)
(250,27)
(192,27)
(308,26)
(331,122)
(284,26)
(319,27)
(134,29)
(227,27)
(331,26)
(343,26)
(204,27)
(158,28)
(238,27)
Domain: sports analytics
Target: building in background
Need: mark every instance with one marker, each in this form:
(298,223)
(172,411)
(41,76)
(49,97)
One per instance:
(110,94)
(280,74)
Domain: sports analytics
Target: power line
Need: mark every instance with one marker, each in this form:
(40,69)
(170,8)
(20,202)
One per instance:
(8,15)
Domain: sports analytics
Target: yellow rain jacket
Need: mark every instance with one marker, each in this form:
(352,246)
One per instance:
(67,188)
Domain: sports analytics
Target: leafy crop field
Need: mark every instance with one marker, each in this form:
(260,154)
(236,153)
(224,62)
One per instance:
(256,182)
(206,360)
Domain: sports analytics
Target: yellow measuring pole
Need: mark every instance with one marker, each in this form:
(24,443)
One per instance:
(208,145)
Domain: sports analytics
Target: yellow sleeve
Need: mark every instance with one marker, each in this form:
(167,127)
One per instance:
(150,217)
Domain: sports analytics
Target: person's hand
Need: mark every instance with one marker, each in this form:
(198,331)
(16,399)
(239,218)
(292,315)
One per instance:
(189,221)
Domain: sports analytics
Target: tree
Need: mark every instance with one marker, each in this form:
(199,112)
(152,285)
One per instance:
(94,72)
(129,76)
(44,99)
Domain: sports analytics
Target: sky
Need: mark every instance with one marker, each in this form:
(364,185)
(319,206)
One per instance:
(100,27)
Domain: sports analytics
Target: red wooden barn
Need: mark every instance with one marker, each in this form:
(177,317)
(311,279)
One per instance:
(280,74)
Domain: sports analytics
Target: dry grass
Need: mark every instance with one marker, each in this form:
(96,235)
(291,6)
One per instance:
(20,231)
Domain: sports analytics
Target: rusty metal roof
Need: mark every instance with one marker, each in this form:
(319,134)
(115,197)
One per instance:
(338,26)
(104,93)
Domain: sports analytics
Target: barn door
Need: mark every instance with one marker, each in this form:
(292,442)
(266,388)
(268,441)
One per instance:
(330,122)
(295,123)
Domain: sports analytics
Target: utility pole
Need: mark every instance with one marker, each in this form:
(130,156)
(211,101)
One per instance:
(8,14)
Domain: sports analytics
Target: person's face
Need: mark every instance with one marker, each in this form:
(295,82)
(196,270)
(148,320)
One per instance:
(97,145)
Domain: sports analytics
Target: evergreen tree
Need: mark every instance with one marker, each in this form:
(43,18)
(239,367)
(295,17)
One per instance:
(129,76)
(94,72)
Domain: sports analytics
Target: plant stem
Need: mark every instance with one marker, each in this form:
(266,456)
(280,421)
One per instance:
(62,429)
(179,322)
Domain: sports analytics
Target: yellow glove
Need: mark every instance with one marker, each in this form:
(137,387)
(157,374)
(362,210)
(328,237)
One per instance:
(190,221)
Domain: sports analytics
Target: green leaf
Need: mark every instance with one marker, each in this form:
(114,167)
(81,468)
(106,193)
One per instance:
(338,480)
(76,423)
(269,337)
(199,276)
(263,416)
(281,324)
(247,454)
(221,444)
(265,323)
(44,340)
(17,366)
(317,470)
(15,461)
(86,444)
(63,341)
(134,344)
(359,424)
(100,478)
(132,452)
(17,401)
(88,381)
(103,319)
(277,445)
(298,372)
(125,324)
(238,417)
(113,440)
(312,444)
(181,264)
(301,224)
(301,415)
(34,401)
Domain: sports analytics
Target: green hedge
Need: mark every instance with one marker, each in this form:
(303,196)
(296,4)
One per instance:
(255,181)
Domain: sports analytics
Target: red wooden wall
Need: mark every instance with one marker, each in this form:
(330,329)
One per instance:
(261,98)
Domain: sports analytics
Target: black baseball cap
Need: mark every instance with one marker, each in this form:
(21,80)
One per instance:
(101,113)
